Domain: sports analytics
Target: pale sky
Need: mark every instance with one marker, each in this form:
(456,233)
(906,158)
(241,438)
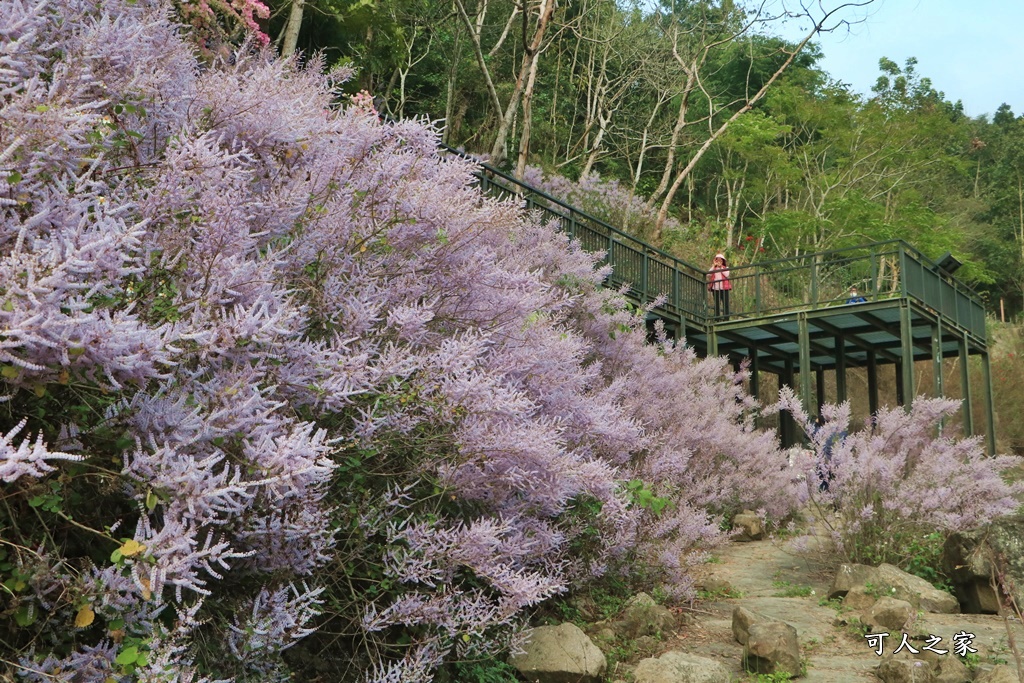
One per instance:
(972,50)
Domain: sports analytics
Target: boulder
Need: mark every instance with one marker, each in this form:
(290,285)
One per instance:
(848,576)
(951,670)
(890,614)
(968,556)
(998,674)
(742,620)
(643,617)
(893,582)
(680,667)
(559,654)
(857,598)
(771,648)
(903,668)
(748,525)
(916,591)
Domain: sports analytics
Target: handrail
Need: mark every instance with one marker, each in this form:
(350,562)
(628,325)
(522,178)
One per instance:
(650,272)
(512,180)
(758,288)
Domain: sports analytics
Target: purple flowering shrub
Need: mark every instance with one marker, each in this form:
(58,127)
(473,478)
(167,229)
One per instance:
(608,200)
(268,365)
(900,483)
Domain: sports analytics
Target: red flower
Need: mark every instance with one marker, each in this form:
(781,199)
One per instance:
(761,249)
(750,237)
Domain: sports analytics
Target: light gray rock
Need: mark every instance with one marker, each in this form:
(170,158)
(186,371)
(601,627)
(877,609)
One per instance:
(848,576)
(560,654)
(643,617)
(890,614)
(951,670)
(968,558)
(749,526)
(857,598)
(904,669)
(680,667)
(891,581)
(742,620)
(998,674)
(772,647)
(916,591)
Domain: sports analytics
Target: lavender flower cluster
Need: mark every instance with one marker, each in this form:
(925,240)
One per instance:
(290,348)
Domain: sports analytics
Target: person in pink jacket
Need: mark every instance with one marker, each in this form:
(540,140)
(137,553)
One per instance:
(719,285)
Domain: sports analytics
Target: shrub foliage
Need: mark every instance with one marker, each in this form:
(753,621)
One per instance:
(268,366)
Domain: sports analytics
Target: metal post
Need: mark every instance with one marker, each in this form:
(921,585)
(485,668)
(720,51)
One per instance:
(814,281)
(938,385)
(965,386)
(907,355)
(900,388)
(757,289)
(644,268)
(805,363)
(840,369)
(990,417)
(872,383)
(819,386)
(755,379)
(787,426)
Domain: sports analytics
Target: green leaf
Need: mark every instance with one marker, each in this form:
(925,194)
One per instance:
(14,178)
(25,616)
(129,655)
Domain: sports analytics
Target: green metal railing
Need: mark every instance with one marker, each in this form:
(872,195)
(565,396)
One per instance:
(649,272)
(882,270)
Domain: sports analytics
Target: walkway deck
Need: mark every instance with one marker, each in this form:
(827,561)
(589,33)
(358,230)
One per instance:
(790,316)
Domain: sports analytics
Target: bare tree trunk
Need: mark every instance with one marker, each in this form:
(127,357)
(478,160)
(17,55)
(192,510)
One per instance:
(531,54)
(474,34)
(524,137)
(291,31)
(684,105)
(717,133)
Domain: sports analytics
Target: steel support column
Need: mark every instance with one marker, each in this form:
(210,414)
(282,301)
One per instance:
(990,417)
(755,378)
(840,369)
(819,388)
(786,424)
(805,364)
(872,383)
(907,353)
(938,385)
(965,386)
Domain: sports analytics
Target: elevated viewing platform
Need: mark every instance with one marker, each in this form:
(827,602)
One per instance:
(792,318)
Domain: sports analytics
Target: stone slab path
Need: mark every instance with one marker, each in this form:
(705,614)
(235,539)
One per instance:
(762,573)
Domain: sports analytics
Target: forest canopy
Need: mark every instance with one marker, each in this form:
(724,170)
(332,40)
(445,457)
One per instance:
(635,93)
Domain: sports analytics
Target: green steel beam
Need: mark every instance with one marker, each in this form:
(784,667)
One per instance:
(840,369)
(967,409)
(863,346)
(819,389)
(805,363)
(937,380)
(872,383)
(990,417)
(907,361)
(755,370)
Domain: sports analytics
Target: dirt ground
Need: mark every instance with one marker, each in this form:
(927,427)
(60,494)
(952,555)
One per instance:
(763,573)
